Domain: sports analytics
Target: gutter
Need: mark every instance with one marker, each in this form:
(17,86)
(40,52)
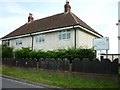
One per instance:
(87,30)
(16,37)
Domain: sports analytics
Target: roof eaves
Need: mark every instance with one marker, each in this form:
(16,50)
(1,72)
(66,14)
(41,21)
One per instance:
(96,34)
(40,32)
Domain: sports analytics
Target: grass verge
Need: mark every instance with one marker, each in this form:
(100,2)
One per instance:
(56,79)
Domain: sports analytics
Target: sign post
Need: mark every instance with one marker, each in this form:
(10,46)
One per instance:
(101,44)
(106,53)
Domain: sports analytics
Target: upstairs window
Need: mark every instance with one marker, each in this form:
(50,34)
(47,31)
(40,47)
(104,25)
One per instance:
(64,35)
(7,42)
(40,38)
(18,41)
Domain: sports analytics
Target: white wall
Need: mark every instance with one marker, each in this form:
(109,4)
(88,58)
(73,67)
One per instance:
(84,39)
(26,42)
(52,42)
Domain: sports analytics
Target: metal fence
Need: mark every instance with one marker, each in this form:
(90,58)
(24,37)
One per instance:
(105,66)
(110,57)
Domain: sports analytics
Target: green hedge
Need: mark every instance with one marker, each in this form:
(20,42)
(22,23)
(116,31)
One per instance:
(22,53)
(7,52)
(69,53)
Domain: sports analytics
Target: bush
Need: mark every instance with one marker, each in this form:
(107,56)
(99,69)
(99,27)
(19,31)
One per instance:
(69,53)
(72,53)
(7,52)
(22,53)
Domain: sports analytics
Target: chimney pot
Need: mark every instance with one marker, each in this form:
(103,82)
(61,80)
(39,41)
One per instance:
(30,18)
(67,7)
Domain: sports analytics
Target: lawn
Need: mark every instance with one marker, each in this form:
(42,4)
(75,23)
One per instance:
(56,79)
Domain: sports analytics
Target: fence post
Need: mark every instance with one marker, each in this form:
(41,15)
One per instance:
(37,65)
(70,67)
(16,63)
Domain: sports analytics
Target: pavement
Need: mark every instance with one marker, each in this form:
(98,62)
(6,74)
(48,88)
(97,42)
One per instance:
(28,84)
(9,83)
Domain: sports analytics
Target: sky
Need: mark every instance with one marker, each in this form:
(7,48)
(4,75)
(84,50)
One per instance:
(101,15)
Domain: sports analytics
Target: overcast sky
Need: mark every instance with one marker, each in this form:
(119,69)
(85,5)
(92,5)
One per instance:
(101,15)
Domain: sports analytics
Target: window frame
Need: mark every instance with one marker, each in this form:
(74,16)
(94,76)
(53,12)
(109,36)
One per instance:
(18,41)
(64,35)
(40,38)
(7,42)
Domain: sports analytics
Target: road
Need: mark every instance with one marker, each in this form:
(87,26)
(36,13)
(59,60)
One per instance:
(9,83)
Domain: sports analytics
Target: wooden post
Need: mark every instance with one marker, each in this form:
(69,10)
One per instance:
(37,65)
(16,63)
(70,68)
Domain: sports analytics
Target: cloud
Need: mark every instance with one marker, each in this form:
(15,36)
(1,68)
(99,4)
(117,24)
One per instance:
(102,16)
(14,8)
(53,1)
(10,24)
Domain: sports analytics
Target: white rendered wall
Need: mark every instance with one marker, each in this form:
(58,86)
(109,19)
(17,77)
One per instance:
(26,42)
(52,42)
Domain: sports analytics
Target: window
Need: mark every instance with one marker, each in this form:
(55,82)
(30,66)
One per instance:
(64,35)
(18,41)
(7,42)
(40,38)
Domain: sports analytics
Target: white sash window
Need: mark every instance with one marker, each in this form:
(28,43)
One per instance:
(64,35)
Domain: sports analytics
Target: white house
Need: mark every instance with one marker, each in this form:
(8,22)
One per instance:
(62,30)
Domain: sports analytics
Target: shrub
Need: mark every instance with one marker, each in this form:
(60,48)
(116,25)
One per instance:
(72,53)
(61,53)
(22,53)
(69,53)
(7,52)
(41,54)
(33,54)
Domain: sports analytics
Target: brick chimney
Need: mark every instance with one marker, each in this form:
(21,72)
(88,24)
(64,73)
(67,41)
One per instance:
(30,18)
(67,7)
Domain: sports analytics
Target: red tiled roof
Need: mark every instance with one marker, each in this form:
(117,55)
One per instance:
(51,22)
